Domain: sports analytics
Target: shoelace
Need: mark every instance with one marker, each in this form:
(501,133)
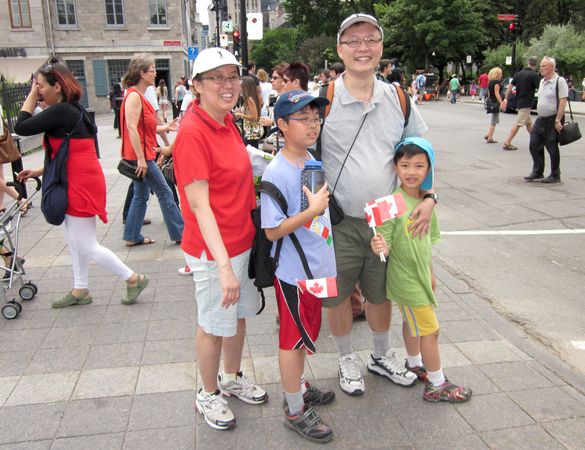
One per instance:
(246,384)
(392,363)
(217,403)
(350,368)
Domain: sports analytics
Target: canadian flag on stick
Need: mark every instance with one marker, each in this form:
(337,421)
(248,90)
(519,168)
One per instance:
(319,287)
(383,209)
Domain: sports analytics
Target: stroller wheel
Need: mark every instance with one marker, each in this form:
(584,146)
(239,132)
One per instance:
(27,292)
(33,286)
(11,311)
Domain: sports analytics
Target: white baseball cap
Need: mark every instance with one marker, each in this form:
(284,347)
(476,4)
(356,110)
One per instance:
(358,18)
(212,58)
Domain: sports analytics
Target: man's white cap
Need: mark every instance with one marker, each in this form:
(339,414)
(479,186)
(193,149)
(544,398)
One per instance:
(212,58)
(358,18)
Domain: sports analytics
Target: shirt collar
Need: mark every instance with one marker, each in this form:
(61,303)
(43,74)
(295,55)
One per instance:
(552,80)
(346,98)
(206,118)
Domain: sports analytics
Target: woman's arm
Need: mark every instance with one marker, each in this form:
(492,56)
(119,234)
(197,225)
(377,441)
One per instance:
(132,110)
(497,92)
(197,194)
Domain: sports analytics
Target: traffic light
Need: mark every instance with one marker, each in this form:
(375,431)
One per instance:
(236,38)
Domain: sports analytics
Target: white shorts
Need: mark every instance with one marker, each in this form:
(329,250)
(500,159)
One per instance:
(211,316)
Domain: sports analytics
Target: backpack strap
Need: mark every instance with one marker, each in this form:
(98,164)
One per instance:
(270,189)
(330,93)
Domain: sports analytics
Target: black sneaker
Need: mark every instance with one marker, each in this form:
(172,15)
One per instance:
(551,180)
(316,397)
(309,425)
(533,177)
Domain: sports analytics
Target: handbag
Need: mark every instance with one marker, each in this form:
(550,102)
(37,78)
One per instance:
(128,168)
(492,106)
(570,132)
(168,169)
(336,213)
(54,200)
(8,149)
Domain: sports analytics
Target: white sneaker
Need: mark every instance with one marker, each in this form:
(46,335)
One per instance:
(242,388)
(387,366)
(185,270)
(350,376)
(215,410)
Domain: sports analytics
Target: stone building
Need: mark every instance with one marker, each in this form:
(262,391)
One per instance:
(96,39)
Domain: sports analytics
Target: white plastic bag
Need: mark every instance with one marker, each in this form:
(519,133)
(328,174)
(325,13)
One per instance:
(259,160)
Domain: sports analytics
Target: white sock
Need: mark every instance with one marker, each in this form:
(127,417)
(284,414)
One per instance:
(295,402)
(437,377)
(303,386)
(228,377)
(414,361)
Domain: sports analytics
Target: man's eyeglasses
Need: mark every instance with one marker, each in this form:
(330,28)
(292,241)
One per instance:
(356,42)
(222,79)
(308,121)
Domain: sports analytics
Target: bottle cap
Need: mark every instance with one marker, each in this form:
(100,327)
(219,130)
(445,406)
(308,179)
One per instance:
(313,165)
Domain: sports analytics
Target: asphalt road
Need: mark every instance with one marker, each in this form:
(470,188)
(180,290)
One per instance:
(533,269)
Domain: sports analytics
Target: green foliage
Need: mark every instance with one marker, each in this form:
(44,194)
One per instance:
(315,50)
(277,46)
(497,57)
(565,44)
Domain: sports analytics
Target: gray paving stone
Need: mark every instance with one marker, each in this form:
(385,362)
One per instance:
(18,340)
(548,404)
(525,438)
(166,378)
(492,412)
(117,313)
(114,355)
(51,360)
(70,336)
(472,377)
(110,333)
(174,310)
(467,331)
(101,441)
(45,388)
(465,442)
(568,431)
(7,385)
(513,376)
(14,363)
(108,382)
(30,422)
(80,315)
(171,351)
(160,330)
(95,416)
(36,445)
(173,409)
(33,319)
(181,438)
(486,352)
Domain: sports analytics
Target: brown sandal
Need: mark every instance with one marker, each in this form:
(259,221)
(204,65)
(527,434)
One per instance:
(145,241)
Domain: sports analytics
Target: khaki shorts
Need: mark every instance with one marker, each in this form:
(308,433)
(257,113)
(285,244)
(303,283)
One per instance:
(523,117)
(357,262)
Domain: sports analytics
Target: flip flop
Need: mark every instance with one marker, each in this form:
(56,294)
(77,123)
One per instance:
(145,241)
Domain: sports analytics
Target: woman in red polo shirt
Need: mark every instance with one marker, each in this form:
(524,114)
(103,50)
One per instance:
(214,178)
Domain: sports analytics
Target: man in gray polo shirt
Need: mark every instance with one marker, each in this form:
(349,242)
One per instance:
(552,100)
(368,173)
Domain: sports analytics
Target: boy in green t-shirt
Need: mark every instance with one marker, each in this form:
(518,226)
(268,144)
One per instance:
(409,276)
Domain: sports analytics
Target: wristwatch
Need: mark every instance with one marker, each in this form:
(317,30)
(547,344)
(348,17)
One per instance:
(434,196)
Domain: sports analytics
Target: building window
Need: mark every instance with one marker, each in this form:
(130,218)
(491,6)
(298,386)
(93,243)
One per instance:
(19,13)
(66,12)
(116,70)
(114,12)
(158,12)
(77,67)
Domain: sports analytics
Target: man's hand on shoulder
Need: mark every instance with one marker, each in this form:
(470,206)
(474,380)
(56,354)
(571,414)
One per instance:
(422,218)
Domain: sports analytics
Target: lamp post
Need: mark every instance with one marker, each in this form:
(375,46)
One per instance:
(215,8)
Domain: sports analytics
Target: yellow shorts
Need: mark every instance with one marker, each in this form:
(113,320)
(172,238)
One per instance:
(420,321)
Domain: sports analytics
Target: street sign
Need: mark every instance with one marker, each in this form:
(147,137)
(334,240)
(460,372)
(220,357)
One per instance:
(228,26)
(255,26)
(508,60)
(192,52)
(172,43)
(468,59)
(506,17)
(223,40)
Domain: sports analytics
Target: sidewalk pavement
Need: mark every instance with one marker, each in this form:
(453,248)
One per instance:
(109,376)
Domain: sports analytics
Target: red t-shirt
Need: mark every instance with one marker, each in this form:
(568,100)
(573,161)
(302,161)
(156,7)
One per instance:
(483,81)
(146,129)
(206,150)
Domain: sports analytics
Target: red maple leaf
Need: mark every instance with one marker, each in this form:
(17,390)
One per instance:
(316,288)
(368,218)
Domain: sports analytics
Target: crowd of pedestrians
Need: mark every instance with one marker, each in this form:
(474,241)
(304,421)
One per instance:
(354,107)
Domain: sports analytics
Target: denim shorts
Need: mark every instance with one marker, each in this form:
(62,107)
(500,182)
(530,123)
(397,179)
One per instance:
(211,316)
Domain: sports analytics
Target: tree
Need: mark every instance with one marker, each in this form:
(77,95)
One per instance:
(315,50)
(277,46)
(497,57)
(565,44)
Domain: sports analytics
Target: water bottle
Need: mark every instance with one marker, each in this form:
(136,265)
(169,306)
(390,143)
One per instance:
(312,176)
(264,111)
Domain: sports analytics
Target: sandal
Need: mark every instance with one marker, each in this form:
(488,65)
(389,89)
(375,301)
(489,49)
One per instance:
(24,209)
(491,141)
(132,292)
(509,147)
(71,300)
(145,241)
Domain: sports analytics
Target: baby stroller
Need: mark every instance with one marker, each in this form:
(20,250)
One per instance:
(11,263)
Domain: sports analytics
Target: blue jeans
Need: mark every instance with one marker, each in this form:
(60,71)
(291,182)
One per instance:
(153,180)
(454,96)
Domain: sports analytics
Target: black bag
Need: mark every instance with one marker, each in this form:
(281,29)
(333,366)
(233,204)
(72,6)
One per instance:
(336,213)
(262,266)
(492,106)
(570,132)
(54,198)
(128,169)
(168,169)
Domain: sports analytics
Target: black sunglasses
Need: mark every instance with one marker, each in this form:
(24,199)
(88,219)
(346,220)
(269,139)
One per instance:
(46,69)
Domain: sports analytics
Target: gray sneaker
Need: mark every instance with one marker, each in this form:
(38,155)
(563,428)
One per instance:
(215,410)
(387,366)
(242,388)
(309,425)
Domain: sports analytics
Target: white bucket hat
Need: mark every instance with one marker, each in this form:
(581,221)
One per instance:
(212,58)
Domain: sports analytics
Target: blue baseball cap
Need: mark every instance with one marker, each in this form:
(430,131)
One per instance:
(428,148)
(293,101)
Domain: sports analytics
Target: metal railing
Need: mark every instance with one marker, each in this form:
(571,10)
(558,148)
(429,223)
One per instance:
(12,96)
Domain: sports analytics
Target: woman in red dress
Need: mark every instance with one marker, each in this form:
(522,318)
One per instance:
(86,190)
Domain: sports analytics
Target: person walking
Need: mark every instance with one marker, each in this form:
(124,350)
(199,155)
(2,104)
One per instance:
(454,87)
(553,92)
(494,98)
(57,87)
(162,96)
(483,81)
(214,178)
(526,82)
(367,112)
(139,123)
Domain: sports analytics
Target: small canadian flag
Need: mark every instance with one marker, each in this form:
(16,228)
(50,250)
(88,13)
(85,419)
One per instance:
(319,287)
(384,208)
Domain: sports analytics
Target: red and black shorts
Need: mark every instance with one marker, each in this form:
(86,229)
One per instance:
(300,317)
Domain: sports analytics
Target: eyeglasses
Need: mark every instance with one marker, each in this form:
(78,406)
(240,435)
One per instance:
(222,79)
(307,121)
(356,42)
